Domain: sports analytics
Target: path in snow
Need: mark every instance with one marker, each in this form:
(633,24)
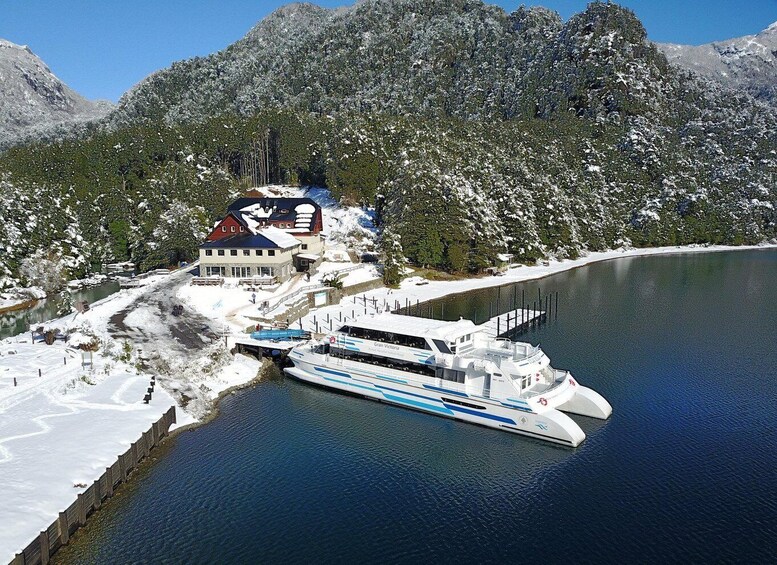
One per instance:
(148,321)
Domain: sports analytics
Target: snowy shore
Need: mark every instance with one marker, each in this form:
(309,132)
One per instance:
(61,427)
(430,290)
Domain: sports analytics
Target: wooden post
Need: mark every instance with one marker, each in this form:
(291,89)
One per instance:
(549,305)
(81,509)
(172,413)
(122,469)
(522,300)
(108,482)
(555,310)
(44,547)
(98,497)
(497,326)
(64,528)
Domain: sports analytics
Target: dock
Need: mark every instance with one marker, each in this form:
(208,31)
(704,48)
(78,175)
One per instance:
(511,324)
(273,349)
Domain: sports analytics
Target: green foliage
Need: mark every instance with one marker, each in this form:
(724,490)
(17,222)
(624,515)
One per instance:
(393,257)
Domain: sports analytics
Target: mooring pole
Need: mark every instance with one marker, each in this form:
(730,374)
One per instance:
(555,310)
(523,291)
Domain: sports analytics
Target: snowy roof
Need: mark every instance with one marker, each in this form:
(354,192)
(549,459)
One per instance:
(260,240)
(309,256)
(279,237)
(421,327)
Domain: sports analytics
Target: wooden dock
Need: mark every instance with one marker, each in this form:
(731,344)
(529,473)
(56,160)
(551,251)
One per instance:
(511,324)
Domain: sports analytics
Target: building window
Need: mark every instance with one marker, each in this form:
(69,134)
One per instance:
(266,271)
(214,271)
(233,252)
(304,246)
(241,272)
(208,252)
(224,229)
(258,252)
(220,252)
(242,229)
(232,229)
(246,252)
(271,252)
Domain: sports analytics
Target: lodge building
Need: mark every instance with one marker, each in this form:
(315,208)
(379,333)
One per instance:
(265,239)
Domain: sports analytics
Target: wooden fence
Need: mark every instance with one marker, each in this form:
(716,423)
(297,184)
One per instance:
(59,532)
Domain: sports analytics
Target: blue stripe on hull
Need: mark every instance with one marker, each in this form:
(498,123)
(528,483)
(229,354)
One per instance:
(446,390)
(447,409)
(331,372)
(416,404)
(349,383)
(481,414)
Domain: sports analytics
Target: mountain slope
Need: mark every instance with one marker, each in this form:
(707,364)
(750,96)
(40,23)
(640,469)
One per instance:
(748,63)
(32,99)
(471,131)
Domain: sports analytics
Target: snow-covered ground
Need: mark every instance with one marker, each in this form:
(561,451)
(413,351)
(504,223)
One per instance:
(63,428)
(14,297)
(59,432)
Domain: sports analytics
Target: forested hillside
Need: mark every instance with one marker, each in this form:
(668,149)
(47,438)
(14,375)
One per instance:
(472,131)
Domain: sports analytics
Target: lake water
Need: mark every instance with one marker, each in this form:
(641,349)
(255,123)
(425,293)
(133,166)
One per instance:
(685,349)
(18,321)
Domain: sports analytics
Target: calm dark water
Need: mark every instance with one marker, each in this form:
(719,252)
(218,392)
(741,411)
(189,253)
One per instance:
(683,347)
(18,321)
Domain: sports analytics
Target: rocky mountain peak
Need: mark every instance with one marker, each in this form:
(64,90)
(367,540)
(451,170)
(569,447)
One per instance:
(33,99)
(746,63)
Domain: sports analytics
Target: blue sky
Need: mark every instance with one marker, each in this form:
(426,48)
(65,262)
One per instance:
(103,47)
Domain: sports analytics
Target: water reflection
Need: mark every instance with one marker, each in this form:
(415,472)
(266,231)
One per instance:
(18,321)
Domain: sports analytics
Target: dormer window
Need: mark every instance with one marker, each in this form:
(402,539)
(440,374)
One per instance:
(224,229)
(232,229)
(242,229)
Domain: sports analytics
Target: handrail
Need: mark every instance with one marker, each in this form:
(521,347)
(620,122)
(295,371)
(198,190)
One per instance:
(282,299)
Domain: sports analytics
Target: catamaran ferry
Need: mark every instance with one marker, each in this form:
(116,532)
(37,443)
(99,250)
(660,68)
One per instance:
(452,369)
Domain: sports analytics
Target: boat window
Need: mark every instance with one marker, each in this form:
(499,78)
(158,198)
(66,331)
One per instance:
(450,375)
(385,337)
(441,346)
(322,349)
(388,362)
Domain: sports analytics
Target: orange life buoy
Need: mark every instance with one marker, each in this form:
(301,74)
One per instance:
(543,402)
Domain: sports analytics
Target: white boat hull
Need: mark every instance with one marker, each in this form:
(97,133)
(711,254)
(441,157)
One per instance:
(528,418)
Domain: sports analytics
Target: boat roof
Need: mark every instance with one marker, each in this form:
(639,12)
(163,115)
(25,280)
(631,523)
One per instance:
(411,325)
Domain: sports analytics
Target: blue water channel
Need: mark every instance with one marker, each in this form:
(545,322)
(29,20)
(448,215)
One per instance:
(685,349)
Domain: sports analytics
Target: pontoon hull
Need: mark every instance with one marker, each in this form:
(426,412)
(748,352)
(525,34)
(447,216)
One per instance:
(518,417)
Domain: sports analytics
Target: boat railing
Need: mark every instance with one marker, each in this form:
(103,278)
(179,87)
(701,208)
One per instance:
(559,377)
(531,355)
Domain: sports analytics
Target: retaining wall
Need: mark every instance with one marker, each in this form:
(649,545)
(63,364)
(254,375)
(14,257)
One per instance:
(59,532)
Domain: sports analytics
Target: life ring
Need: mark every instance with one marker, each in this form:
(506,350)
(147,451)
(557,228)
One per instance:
(543,402)
(332,339)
